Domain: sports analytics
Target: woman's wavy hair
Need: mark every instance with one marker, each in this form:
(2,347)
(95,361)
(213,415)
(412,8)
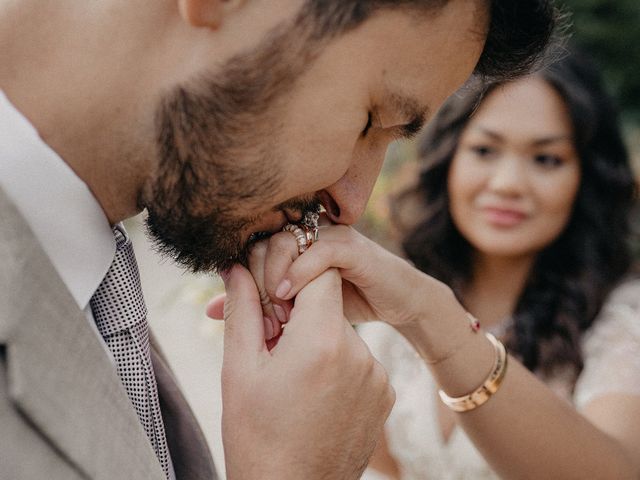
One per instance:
(570,278)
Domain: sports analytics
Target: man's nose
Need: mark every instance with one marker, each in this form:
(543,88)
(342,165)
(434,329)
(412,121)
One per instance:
(350,194)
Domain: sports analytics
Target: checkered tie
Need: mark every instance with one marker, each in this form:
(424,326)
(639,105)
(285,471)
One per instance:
(121,316)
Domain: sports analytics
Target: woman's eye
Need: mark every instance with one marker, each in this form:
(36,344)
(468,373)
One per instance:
(367,127)
(550,161)
(482,151)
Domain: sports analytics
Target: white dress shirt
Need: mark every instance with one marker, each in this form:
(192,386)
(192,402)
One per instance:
(58,206)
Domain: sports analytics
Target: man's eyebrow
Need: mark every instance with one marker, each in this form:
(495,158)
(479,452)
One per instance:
(409,108)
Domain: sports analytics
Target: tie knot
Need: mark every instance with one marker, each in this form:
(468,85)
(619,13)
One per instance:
(121,237)
(118,303)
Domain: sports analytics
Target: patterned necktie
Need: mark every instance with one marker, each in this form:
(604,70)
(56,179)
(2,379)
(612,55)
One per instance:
(121,316)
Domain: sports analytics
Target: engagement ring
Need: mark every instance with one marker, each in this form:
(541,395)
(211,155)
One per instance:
(306,232)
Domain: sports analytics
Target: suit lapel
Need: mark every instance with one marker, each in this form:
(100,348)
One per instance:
(59,375)
(189,450)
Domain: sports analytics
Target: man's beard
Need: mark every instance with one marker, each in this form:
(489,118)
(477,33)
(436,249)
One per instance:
(218,156)
(208,242)
(198,189)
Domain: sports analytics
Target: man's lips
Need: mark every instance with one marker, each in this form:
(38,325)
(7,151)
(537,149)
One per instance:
(269,227)
(329,205)
(272,223)
(265,230)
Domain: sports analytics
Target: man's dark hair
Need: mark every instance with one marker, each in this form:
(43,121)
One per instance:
(519,31)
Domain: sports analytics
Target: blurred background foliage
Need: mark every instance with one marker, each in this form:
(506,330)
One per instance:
(609,30)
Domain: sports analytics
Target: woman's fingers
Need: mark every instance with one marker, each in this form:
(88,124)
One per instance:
(339,246)
(373,279)
(244,334)
(256,266)
(281,272)
(282,252)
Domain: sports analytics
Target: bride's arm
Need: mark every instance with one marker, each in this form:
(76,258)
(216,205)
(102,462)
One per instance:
(524,430)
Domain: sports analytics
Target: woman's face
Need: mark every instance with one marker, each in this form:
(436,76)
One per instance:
(515,174)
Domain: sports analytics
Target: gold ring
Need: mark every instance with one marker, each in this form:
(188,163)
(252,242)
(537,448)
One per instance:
(312,234)
(305,236)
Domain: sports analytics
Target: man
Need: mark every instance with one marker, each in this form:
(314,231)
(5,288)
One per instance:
(225,120)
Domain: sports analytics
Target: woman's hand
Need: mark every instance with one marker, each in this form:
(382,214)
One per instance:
(377,285)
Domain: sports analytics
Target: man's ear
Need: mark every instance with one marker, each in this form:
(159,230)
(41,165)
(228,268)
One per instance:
(207,13)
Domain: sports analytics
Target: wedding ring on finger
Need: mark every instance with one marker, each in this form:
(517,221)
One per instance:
(300,234)
(305,236)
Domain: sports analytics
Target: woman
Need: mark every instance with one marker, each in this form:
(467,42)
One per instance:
(527,219)
(527,197)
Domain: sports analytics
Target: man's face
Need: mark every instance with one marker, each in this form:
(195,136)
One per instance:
(247,150)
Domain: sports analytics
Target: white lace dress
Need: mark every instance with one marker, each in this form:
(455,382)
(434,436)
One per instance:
(611,351)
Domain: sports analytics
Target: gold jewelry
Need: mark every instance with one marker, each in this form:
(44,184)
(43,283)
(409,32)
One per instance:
(305,236)
(311,233)
(310,225)
(490,386)
(310,219)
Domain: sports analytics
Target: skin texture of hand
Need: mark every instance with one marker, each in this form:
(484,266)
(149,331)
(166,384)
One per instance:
(377,285)
(524,416)
(311,407)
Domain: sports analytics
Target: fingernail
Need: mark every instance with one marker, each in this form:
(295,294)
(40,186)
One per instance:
(280,313)
(268,329)
(283,289)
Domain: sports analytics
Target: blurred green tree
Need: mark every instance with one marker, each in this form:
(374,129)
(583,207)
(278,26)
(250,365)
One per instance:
(610,31)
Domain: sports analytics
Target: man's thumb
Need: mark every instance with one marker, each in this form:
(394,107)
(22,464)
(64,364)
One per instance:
(320,303)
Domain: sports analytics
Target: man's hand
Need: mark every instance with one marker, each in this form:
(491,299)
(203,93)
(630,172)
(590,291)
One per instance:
(312,407)
(377,285)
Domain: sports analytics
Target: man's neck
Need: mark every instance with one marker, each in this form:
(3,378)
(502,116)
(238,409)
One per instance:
(74,98)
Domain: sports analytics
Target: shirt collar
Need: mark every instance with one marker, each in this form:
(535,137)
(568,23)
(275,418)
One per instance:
(58,206)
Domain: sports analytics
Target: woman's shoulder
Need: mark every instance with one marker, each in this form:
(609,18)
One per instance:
(626,293)
(611,347)
(619,317)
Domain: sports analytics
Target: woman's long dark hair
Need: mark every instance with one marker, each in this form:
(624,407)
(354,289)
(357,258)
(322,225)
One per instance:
(570,278)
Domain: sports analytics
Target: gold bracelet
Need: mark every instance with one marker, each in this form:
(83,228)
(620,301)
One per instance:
(490,386)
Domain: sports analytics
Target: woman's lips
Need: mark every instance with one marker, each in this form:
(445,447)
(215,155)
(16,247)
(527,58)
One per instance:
(504,217)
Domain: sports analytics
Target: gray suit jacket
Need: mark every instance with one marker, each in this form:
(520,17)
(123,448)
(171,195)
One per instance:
(63,411)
